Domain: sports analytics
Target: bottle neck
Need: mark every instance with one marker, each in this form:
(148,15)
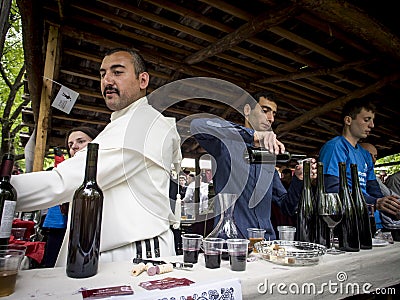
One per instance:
(355,181)
(342,176)
(6,167)
(320,177)
(227,204)
(306,174)
(91,162)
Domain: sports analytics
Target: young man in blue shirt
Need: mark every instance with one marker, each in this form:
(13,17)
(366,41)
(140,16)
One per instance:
(358,121)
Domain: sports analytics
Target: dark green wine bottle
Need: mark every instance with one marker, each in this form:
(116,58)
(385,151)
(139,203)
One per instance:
(255,155)
(322,229)
(306,214)
(364,226)
(85,224)
(348,227)
(8,198)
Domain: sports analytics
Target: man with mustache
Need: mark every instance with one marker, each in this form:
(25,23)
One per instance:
(358,120)
(136,151)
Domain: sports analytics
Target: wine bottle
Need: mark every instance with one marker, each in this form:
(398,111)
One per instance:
(347,230)
(254,155)
(305,214)
(85,224)
(364,226)
(322,229)
(8,198)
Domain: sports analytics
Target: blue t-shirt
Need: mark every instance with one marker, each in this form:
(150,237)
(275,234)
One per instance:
(338,150)
(54,218)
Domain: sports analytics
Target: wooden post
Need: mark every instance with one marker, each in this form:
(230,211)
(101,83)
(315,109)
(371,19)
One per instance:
(45,99)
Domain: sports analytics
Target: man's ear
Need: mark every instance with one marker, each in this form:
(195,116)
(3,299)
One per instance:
(347,120)
(144,80)
(246,110)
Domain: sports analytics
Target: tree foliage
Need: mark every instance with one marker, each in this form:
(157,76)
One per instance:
(393,168)
(12,70)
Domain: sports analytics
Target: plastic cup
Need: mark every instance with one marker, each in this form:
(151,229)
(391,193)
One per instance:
(237,249)
(287,233)
(212,252)
(18,233)
(191,246)
(255,235)
(10,261)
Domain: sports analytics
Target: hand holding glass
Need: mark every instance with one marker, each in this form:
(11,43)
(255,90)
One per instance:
(330,210)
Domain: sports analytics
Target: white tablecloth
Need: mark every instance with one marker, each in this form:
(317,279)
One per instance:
(335,277)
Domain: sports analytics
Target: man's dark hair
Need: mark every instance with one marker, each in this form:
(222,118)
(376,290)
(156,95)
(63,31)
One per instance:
(268,95)
(354,107)
(91,132)
(138,61)
(287,171)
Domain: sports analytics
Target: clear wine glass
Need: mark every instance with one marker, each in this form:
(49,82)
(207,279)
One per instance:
(330,210)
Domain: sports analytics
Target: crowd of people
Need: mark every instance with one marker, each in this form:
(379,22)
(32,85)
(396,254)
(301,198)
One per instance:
(135,165)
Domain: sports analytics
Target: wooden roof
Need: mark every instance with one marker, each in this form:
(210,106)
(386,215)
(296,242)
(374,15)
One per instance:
(314,55)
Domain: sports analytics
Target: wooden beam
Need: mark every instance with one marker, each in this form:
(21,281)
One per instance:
(91,108)
(32,29)
(237,12)
(354,20)
(232,59)
(68,118)
(44,110)
(258,24)
(313,72)
(339,102)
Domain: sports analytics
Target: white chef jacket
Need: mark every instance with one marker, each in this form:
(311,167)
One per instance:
(136,152)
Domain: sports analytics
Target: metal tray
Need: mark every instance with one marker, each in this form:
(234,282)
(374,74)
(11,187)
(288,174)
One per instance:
(290,253)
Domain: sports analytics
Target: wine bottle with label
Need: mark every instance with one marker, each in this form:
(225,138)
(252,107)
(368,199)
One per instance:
(306,213)
(255,155)
(347,230)
(85,223)
(364,226)
(322,229)
(8,198)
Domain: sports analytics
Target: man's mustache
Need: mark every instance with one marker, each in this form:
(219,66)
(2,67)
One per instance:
(110,88)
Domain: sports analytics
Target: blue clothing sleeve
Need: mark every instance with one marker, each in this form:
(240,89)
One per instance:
(373,190)
(219,129)
(331,183)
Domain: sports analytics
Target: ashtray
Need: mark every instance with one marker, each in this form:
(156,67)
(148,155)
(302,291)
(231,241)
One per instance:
(290,253)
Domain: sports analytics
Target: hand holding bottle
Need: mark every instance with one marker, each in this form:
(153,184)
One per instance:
(298,170)
(268,140)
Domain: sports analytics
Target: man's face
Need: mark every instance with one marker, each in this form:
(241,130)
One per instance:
(182,181)
(361,126)
(374,154)
(119,85)
(263,115)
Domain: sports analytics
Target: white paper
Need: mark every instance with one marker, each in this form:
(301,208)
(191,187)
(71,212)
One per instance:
(230,289)
(65,99)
